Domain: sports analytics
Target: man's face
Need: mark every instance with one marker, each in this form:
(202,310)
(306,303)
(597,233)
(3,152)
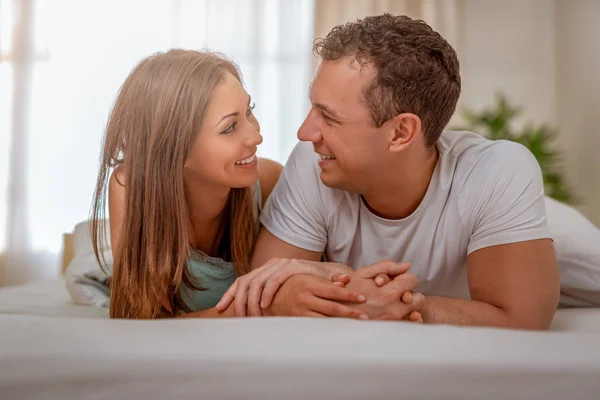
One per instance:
(340,126)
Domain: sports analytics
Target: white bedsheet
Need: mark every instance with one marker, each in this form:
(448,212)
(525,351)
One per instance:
(46,298)
(65,354)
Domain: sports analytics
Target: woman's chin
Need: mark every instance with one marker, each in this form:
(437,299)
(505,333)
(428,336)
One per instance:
(244,182)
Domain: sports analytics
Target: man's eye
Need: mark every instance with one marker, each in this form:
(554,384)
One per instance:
(328,119)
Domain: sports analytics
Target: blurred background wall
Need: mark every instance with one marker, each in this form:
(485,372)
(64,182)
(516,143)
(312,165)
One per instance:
(62,62)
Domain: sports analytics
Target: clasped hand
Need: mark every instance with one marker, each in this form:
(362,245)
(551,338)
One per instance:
(287,287)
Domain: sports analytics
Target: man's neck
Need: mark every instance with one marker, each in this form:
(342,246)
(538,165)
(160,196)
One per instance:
(398,193)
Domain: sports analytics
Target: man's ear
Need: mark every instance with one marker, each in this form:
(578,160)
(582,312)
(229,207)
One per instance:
(403,129)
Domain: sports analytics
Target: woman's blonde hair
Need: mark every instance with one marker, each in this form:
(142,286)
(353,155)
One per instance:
(151,129)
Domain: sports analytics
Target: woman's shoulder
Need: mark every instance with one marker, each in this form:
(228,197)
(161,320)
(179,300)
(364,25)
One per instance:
(268,174)
(116,188)
(118,176)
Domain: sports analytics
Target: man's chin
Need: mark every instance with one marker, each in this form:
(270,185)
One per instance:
(331,181)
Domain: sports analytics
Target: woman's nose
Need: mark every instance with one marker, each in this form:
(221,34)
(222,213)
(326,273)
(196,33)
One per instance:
(254,137)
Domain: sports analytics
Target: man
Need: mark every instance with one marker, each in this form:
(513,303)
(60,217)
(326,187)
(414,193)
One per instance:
(376,178)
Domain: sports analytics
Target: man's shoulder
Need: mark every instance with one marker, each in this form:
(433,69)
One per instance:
(487,170)
(464,146)
(474,155)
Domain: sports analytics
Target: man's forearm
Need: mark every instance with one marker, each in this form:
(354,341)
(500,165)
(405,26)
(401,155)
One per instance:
(445,310)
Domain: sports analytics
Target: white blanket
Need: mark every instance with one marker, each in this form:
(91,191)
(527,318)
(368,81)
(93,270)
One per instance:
(51,349)
(276,358)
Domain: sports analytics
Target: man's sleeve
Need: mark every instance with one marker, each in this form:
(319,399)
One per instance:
(296,211)
(503,198)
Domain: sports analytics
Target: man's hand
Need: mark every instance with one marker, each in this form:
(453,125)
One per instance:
(256,289)
(380,273)
(393,301)
(308,296)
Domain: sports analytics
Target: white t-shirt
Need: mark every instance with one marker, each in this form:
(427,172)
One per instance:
(482,193)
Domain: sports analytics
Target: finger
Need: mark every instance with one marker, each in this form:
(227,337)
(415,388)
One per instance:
(278,277)
(257,285)
(389,317)
(402,283)
(332,292)
(337,310)
(418,299)
(402,312)
(314,314)
(382,279)
(230,293)
(270,289)
(343,278)
(415,316)
(384,267)
(339,284)
(406,297)
(241,298)
(254,292)
(228,296)
(408,316)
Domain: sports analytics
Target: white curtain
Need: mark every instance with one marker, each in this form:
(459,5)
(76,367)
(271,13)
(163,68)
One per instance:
(62,62)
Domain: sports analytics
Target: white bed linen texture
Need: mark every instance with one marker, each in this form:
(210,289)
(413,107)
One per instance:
(52,349)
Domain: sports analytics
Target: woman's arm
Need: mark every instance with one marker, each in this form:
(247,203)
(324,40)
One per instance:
(116,205)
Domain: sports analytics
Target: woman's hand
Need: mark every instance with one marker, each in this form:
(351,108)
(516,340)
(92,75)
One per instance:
(309,296)
(255,291)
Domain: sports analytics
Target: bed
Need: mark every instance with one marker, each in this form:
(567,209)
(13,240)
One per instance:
(53,349)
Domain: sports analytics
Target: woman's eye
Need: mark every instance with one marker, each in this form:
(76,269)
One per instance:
(230,128)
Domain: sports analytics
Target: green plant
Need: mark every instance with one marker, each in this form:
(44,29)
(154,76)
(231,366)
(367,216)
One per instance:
(495,123)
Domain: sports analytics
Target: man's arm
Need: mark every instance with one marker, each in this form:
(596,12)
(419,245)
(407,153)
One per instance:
(511,267)
(513,286)
(273,257)
(269,246)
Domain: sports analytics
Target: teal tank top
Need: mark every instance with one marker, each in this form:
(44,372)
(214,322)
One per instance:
(215,275)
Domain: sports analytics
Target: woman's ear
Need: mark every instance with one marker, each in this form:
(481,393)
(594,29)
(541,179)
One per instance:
(403,129)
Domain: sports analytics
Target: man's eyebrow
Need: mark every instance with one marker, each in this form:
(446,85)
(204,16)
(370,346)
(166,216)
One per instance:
(328,110)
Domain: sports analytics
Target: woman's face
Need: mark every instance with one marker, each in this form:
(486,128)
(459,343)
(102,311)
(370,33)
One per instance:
(224,153)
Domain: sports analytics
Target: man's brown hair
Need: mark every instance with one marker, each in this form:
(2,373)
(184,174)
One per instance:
(417,70)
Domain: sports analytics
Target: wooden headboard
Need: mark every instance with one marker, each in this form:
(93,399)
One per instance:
(68,251)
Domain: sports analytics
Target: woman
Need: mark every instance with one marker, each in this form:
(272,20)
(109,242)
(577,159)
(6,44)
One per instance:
(184,186)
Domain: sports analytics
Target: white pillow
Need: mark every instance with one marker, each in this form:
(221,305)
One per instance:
(577,247)
(85,280)
(82,241)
